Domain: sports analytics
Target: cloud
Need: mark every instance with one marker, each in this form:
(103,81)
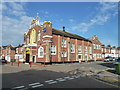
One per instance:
(71,20)
(105,12)
(13,28)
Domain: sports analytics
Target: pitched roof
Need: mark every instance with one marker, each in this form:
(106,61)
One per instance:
(12,48)
(67,34)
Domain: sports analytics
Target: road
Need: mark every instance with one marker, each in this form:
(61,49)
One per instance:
(33,78)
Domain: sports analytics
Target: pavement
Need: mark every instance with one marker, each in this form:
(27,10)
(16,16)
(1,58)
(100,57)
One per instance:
(102,71)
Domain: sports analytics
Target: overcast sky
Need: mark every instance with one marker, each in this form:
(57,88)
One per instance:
(83,18)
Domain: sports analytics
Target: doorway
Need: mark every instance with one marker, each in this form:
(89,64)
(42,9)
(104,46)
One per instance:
(27,58)
(34,59)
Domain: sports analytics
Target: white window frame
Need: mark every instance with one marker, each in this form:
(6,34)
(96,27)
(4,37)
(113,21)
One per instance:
(90,50)
(39,35)
(79,49)
(64,43)
(64,54)
(72,48)
(40,48)
(86,49)
(94,46)
(53,49)
(16,50)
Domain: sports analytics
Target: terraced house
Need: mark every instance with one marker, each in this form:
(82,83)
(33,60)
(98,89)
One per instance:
(7,52)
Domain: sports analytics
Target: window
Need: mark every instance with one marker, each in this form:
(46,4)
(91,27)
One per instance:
(86,50)
(33,36)
(99,47)
(90,57)
(41,52)
(79,57)
(39,36)
(16,50)
(94,46)
(27,39)
(79,49)
(64,54)
(53,50)
(63,43)
(90,50)
(72,48)
(105,50)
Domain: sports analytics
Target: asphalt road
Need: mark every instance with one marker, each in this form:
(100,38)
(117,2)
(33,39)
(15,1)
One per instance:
(48,79)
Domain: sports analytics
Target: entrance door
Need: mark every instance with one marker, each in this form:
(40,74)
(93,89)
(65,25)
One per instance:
(79,58)
(33,58)
(27,58)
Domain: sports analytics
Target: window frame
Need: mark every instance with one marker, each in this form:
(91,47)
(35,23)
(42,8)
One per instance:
(53,50)
(86,49)
(79,48)
(64,43)
(72,47)
(63,54)
(39,56)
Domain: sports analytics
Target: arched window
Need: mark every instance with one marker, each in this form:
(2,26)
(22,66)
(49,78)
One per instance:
(33,36)
(41,52)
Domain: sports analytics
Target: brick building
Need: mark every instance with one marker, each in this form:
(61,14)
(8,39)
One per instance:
(42,43)
(19,53)
(97,50)
(7,52)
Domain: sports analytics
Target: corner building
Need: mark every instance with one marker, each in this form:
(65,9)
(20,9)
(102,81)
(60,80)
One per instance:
(42,43)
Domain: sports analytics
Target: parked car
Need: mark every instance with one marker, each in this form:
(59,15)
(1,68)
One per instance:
(107,59)
(3,61)
(117,59)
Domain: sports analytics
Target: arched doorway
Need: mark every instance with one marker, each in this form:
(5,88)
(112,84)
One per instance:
(27,55)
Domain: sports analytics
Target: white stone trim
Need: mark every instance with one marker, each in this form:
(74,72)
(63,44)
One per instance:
(47,36)
(34,44)
(47,41)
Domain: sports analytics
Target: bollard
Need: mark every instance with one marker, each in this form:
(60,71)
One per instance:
(18,63)
(6,62)
(30,64)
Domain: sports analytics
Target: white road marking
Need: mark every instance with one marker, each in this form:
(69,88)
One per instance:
(62,80)
(82,75)
(34,84)
(59,78)
(77,76)
(37,86)
(66,77)
(74,76)
(70,78)
(52,82)
(49,80)
(18,87)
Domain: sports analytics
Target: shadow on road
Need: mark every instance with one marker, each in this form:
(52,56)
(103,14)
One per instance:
(108,64)
(112,71)
(10,80)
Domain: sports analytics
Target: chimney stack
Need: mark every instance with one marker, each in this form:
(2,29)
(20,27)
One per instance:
(63,28)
